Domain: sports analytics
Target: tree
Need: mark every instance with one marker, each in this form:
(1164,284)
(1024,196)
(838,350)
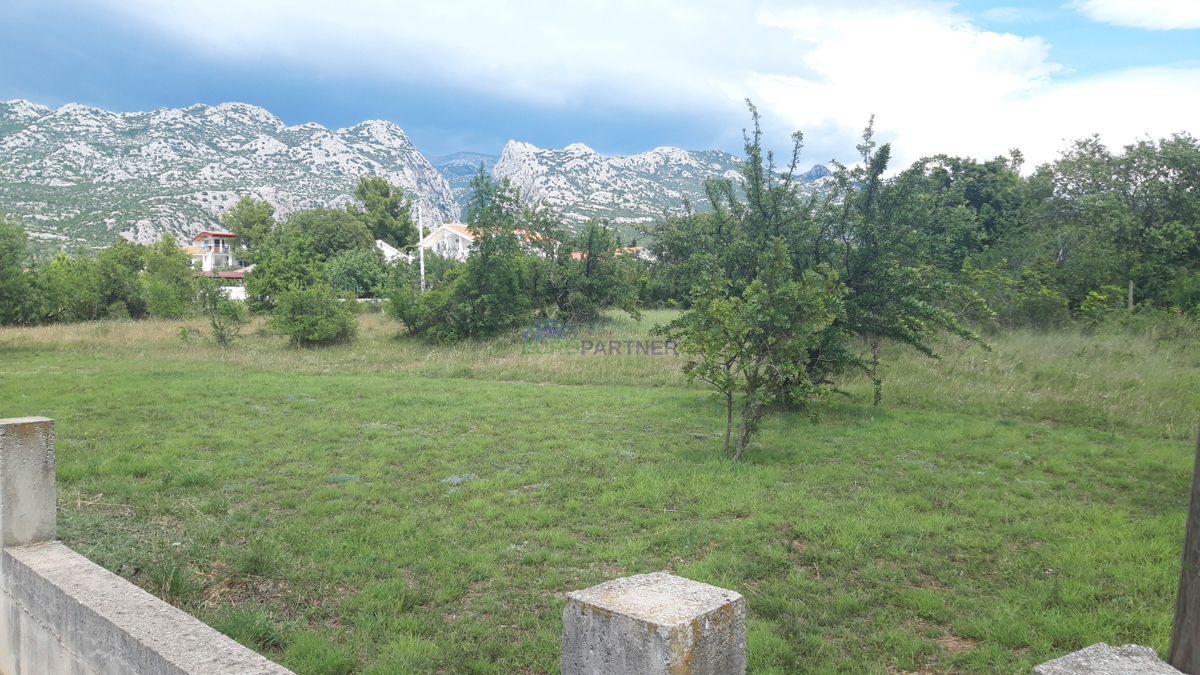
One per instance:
(168,279)
(16,288)
(753,347)
(71,289)
(286,266)
(327,232)
(360,271)
(251,220)
(119,269)
(385,211)
(488,293)
(225,316)
(579,276)
(855,276)
(313,317)
(84,288)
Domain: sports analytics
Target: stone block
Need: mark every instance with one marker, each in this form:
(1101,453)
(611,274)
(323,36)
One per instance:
(27,493)
(654,624)
(1103,659)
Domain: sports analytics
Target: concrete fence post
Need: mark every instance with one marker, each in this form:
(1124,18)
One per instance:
(27,493)
(654,624)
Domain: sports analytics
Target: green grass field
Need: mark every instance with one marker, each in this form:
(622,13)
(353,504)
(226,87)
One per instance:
(388,507)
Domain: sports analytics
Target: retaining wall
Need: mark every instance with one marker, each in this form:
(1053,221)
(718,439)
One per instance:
(61,614)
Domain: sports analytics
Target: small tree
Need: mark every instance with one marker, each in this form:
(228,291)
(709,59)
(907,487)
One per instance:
(251,220)
(585,274)
(488,293)
(386,213)
(752,347)
(15,286)
(313,317)
(225,317)
(168,279)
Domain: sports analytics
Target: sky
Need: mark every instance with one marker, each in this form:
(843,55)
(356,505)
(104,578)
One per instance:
(972,78)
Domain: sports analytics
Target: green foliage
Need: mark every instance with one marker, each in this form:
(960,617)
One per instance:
(284,263)
(119,267)
(251,220)
(327,232)
(70,289)
(753,347)
(486,295)
(168,280)
(84,288)
(16,287)
(1104,218)
(860,236)
(579,276)
(313,317)
(385,211)
(225,317)
(1026,297)
(293,256)
(359,271)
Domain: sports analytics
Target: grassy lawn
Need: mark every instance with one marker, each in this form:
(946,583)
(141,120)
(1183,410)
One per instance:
(388,507)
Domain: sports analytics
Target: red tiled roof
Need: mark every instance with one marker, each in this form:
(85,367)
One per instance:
(459,228)
(222,275)
(222,235)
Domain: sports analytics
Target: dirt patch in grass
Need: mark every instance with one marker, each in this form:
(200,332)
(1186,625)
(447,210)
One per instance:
(956,644)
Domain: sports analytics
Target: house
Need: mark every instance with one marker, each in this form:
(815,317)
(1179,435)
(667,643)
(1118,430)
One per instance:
(390,253)
(451,240)
(235,290)
(213,250)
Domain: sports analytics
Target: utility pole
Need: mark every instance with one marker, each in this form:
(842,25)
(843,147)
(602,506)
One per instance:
(420,248)
(1185,633)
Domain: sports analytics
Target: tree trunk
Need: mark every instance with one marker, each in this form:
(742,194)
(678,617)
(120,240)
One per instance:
(728,419)
(750,415)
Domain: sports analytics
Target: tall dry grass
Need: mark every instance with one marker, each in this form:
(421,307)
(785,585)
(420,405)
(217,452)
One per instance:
(1121,381)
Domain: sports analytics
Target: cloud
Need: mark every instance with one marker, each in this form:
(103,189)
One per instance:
(1151,14)
(1015,15)
(937,83)
(935,80)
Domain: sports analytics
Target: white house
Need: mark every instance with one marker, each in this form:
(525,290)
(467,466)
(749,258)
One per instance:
(452,240)
(390,253)
(212,250)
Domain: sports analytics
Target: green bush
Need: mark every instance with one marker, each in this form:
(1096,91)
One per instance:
(358,271)
(226,317)
(313,317)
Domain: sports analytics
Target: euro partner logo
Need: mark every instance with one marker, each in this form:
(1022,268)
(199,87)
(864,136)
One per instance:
(557,338)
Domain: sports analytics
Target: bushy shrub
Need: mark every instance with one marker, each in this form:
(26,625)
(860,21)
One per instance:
(226,317)
(313,317)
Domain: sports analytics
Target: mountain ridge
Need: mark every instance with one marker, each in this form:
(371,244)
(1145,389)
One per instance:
(79,176)
(85,175)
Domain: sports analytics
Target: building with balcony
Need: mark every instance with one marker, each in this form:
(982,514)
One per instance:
(214,250)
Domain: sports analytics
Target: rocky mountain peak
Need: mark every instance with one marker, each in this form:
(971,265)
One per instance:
(86,175)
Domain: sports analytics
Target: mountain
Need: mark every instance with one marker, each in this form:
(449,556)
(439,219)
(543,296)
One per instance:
(583,185)
(459,168)
(83,176)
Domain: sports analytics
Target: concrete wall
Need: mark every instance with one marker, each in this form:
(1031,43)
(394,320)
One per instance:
(61,614)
